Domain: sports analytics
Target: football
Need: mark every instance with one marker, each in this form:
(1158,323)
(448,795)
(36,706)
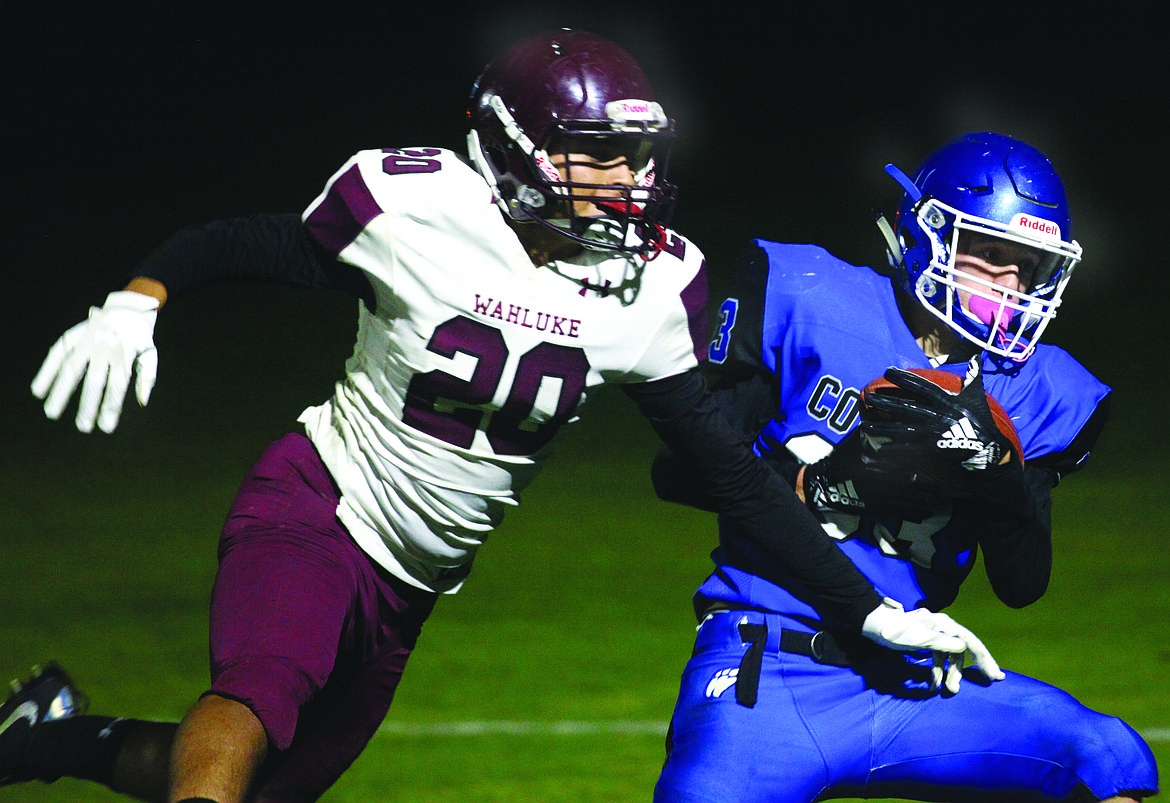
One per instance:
(952,384)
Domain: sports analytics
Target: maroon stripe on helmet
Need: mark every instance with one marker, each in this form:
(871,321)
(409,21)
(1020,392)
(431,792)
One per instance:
(694,298)
(345,211)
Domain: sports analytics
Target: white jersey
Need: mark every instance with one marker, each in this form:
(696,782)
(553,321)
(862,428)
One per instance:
(473,358)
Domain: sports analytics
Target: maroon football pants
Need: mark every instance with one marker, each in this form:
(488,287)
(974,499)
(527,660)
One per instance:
(305,630)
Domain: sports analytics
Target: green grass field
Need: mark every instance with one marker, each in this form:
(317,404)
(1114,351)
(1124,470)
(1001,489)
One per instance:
(578,610)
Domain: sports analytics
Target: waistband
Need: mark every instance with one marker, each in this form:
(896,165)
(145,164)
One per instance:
(773,633)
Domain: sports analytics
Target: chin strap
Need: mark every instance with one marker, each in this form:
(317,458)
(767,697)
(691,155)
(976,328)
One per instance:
(893,250)
(517,135)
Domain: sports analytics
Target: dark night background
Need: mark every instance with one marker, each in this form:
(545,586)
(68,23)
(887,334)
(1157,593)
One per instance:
(122,124)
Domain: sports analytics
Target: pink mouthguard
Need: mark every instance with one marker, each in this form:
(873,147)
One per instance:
(992,313)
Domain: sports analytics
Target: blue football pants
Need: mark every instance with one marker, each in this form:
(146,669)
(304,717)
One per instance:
(816,732)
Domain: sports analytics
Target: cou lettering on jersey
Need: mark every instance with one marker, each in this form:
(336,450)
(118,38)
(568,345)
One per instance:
(833,401)
(527,318)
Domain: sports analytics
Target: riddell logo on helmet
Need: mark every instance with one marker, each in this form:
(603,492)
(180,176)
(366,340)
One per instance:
(633,110)
(1036,224)
(629,108)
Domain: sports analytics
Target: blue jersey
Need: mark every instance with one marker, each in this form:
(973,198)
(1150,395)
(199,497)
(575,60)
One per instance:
(819,330)
(757,720)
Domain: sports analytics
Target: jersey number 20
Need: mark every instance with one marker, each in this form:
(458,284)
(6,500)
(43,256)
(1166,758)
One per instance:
(453,409)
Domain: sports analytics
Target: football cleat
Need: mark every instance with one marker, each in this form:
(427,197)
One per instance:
(49,694)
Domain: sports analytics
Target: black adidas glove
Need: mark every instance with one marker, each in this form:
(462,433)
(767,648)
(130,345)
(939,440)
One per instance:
(854,478)
(951,438)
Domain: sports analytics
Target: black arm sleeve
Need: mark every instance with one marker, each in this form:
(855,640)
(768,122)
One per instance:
(1014,511)
(747,406)
(1014,515)
(272,248)
(740,485)
(745,390)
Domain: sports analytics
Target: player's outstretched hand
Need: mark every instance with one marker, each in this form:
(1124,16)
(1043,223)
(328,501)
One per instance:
(907,631)
(116,340)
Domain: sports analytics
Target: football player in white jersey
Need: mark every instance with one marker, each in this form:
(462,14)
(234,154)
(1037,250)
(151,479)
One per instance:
(494,294)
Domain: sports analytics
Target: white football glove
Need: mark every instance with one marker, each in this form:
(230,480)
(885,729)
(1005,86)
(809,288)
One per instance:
(907,631)
(116,339)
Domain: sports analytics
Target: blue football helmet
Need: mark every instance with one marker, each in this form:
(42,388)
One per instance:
(978,186)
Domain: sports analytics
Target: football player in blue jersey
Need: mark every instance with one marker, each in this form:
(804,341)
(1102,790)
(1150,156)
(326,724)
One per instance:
(778,703)
(494,292)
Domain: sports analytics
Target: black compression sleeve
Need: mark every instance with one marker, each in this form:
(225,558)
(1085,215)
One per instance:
(741,486)
(272,248)
(1013,511)
(746,403)
(745,391)
(1014,515)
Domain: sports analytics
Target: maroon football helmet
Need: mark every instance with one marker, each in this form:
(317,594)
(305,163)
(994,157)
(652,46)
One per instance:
(572,89)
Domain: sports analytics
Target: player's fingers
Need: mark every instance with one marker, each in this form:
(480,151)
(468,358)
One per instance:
(978,651)
(92,391)
(57,372)
(117,384)
(64,383)
(146,370)
(917,385)
(984,661)
(906,410)
(49,368)
(974,376)
(954,673)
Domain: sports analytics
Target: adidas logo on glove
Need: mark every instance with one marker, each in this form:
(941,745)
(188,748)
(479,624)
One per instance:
(962,435)
(842,494)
